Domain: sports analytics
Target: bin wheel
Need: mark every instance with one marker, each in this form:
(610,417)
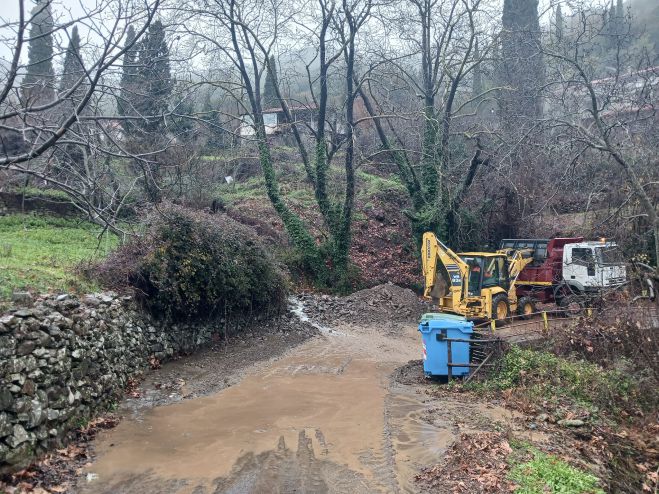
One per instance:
(525,307)
(500,307)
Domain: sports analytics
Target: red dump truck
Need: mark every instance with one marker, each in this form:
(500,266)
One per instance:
(570,272)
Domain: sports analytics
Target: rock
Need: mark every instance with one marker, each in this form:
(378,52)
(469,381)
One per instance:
(28,387)
(6,399)
(92,301)
(5,425)
(9,321)
(543,417)
(22,298)
(62,297)
(24,313)
(36,416)
(571,423)
(19,435)
(26,347)
(52,414)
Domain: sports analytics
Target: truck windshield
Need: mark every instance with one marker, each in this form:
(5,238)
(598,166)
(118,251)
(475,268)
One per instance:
(609,255)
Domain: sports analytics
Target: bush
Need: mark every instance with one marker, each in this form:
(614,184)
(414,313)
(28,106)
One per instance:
(195,266)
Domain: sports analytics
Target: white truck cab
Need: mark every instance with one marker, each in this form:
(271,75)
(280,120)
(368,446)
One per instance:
(593,265)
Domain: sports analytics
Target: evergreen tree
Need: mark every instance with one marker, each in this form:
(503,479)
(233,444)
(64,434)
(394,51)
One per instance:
(128,76)
(72,157)
(154,80)
(521,70)
(477,83)
(72,69)
(269,98)
(619,19)
(39,80)
(560,25)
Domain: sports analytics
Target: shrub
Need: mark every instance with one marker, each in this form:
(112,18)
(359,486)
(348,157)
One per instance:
(195,266)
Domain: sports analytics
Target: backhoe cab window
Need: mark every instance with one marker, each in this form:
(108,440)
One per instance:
(475,272)
(494,272)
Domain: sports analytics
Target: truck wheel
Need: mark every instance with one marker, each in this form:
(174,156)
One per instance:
(525,307)
(500,307)
(572,305)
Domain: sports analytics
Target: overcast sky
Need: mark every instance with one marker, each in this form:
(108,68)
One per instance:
(63,11)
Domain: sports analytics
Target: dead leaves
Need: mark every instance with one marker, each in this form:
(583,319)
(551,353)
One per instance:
(474,463)
(58,471)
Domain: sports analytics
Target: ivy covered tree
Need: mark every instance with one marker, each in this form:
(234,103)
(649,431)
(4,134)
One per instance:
(153,79)
(39,81)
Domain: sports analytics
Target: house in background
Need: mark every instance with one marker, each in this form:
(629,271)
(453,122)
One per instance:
(276,123)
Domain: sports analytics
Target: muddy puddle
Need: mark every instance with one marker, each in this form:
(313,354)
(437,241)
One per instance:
(326,417)
(319,410)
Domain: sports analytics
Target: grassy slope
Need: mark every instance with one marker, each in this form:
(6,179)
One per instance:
(39,253)
(382,244)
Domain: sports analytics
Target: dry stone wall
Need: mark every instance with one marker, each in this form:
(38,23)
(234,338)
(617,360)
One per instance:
(63,360)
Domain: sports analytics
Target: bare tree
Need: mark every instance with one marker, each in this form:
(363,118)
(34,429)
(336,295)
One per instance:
(77,114)
(246,34)
(608,109)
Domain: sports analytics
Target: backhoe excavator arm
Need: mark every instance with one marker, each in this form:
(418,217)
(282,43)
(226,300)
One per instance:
(434,252)
(517,260)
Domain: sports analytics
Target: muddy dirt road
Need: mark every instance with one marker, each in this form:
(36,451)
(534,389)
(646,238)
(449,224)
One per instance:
(339,412)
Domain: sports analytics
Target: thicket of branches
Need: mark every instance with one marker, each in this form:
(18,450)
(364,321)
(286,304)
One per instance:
(497,121)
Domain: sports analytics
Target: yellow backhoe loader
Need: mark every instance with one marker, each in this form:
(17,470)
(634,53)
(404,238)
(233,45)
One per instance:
(477,285)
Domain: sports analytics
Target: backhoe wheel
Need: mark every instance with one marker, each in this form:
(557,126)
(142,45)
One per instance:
(525,307)
(500,307)
(572,305)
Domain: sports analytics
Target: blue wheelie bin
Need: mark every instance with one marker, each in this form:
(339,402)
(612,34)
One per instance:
(435,329)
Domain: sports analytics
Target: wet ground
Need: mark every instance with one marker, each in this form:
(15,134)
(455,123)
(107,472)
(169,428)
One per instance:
(342,411)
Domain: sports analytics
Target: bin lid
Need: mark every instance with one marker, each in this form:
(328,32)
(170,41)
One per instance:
(434,316)
(436,321)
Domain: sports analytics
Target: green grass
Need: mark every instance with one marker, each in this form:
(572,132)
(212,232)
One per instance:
(547,474)
(552,379)
(45,193)
(38,253)
(374,185)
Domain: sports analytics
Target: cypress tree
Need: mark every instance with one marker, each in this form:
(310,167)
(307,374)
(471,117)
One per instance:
(619,19)
(269,98)
(477,83)
(560,24)
(38,83)
(128,76)
(154,80)
(521,68)
(72,70)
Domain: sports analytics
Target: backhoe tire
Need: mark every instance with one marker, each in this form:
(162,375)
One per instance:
(500,307)
(572,305)
(525,307)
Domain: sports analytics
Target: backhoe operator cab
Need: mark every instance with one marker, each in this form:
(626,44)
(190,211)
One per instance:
(477,285)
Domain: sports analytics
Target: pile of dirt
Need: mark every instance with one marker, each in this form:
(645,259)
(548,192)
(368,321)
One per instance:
(474,463)
(388,305)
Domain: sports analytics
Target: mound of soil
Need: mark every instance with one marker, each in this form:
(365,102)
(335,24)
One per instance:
(388,305)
